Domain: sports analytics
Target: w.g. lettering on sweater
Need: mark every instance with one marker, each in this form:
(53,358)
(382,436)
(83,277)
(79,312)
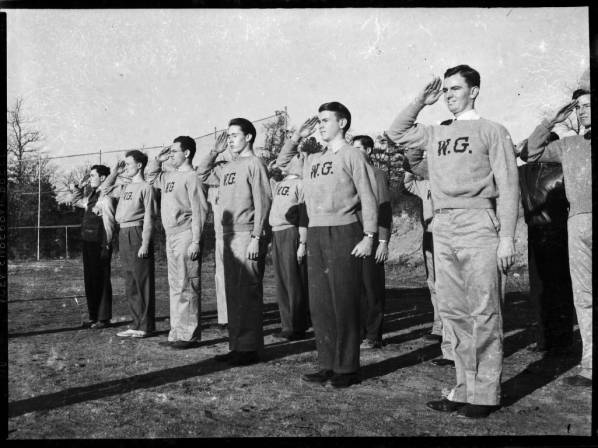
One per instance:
(574,153)
(336,186)
(287,203)
(137,206)
(183,202)
(471,163)
(244,193)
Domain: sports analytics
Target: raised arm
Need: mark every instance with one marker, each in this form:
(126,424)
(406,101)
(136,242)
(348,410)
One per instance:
(108,188)
(207,170)
(155,174)
(290,148)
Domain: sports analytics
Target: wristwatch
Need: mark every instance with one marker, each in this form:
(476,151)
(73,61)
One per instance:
(368,234)
(255,237)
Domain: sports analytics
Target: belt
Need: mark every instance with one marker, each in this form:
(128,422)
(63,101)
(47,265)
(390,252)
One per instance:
(439,211)
(124,225)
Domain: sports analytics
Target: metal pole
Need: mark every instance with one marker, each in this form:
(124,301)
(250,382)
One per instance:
(286,121)
(66,241)
(100,156)
(39,198)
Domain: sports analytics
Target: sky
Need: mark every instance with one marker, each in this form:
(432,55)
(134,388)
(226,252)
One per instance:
(113,79)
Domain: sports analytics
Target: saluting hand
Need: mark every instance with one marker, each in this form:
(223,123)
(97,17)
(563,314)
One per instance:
(119,166)
(430,94)
(564,112)
(221,142)
(164,154)
(307,128)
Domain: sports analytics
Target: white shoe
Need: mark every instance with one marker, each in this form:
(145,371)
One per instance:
(126,334)
(139,334)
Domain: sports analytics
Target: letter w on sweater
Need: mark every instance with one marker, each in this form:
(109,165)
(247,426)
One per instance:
(471,163)
(336,186)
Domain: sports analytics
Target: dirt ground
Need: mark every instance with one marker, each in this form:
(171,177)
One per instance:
(67,382)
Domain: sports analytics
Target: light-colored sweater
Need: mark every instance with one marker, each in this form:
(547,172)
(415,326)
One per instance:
(183,203)
(470,162)
(286,204)
(244,193)
(575,155)
(336,185)
(136,206)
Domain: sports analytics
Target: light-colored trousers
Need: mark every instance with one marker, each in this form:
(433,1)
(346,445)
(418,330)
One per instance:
(468,285)
(579,228)
(219,280)
(437,328)
(185,288)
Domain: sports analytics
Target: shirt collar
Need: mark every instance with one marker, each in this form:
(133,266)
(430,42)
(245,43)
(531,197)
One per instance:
(469,115)
(336,145)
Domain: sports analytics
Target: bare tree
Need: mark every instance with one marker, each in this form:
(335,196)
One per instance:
(22,144)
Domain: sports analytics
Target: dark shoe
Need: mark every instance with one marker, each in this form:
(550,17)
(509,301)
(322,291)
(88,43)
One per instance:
(445,405)
(101,324)
(222,326)
(282,335)
(441,362)
(369,344)
(320,376)
(537,348)
(225,357)
(578,381)
(88,324)
(342,380)
(244,359)
(183,345)
(476,410)
(297,336)
(433,337)
(166,343)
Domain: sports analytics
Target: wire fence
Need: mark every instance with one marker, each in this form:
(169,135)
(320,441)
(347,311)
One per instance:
(43,223)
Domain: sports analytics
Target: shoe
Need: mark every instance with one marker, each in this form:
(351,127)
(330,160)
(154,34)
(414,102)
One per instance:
(88,324)
(244,359)
(342,380)
(578,381)
(126,334)
(183,345)
(222,326)
(433,337)
(140,334)
(166,343)
(297,336)
(441,362)
(445,405)
(282,335)
(101,324)
(321,376)
(476,410)
(226,357)
(537,348)
(369,344)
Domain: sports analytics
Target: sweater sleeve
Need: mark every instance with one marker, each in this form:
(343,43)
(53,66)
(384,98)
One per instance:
(405,132)
(78,198)
(151,210)
(155,174)
(288,151)
(207,170)
(262,196)
(538,149)
(108,209)
(363,184)
(506,177)
(384,208)
(303,218)
(199,207)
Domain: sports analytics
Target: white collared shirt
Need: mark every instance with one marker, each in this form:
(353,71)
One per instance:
(469,115)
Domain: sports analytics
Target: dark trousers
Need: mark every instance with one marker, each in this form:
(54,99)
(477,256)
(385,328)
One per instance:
(550,285)
(98,288)
(244,292)
(373,298)
(139,279)
(291,281)
(335,295)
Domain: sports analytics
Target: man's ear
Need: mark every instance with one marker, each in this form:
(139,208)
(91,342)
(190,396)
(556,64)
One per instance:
(475,91)
(187,153)
(368,151)
(248,137)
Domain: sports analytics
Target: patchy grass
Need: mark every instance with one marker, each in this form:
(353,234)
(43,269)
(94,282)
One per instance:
(66,382)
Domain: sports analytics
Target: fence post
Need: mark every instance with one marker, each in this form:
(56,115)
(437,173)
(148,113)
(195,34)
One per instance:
(286,122)
(39,198)
(100,156)
(66,241)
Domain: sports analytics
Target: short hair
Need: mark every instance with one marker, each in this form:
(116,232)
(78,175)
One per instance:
(187,144)
(102,170)
(138,157)
(340,110)
(365,140)
(471,75)
(579,92)
(246,126)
